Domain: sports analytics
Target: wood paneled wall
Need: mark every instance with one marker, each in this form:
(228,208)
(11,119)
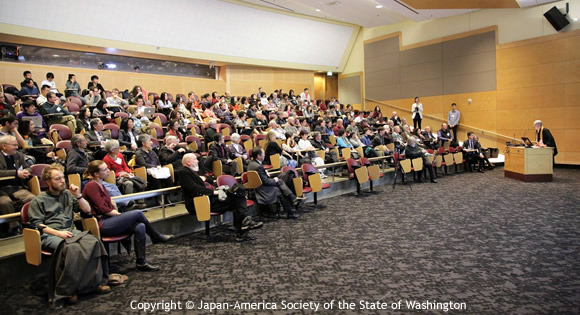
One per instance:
(12,73)
(241,80)
(325,86)
(536,79)
(245,80)
(540,79)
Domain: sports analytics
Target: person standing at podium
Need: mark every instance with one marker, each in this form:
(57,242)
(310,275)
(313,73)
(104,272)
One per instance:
(544,137)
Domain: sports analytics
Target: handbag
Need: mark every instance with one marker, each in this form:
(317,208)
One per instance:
(159,172)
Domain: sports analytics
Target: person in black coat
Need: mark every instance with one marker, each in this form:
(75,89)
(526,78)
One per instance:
(210,133)
(194,185)
(472,148)
(219,152)
(544,137)
(272,189)
(170,153)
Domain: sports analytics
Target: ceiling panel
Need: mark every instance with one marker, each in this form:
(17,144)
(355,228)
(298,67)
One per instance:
(366,13)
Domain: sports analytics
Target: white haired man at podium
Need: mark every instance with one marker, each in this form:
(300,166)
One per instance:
(544,137)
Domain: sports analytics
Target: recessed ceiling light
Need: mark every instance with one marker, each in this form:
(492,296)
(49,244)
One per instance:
(379,6)
(317,10)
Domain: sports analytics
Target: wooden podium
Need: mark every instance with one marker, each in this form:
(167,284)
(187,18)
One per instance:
(529,164)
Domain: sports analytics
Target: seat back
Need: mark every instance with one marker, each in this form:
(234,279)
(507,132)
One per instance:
(217,168)
(448,159)
(364,161)
(374,172)
(332,139)
(64,132)
(275,161)
(258,138)
(61,154)
(34,185)
(160,119)
(362,174)
(36,170)
(114,130)
(224,129)
(31,237)
(417,164)
(91,225)
(141,172)
(251,180)
(360,151)
(438,160)
(228,180)
(406,165)
(308,168)
(345,153)
(75,179)
(202,208)
(321,154)
(240,164)
(64,144)
(352,164)
(315,182)
(458,157)
(171,171)
(111,178)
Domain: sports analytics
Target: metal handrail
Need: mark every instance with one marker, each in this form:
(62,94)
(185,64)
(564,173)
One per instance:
(483,132)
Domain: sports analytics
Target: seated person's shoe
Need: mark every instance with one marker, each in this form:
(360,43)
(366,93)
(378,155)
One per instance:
(162,238)
(103,289)
(292,215)
(146,267)
(434,181)
(244,237)
(480,170)
(71,299)
(298,201)
(249,224)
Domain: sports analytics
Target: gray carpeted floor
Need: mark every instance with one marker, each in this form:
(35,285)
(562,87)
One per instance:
(497,245)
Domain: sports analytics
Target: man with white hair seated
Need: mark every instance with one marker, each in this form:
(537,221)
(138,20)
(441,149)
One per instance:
(194,185)
(279,131)
(237,149)
(412,150)
(171,153)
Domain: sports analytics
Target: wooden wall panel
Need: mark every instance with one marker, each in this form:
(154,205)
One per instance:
(539,75)
(12,73)
(245,80)
(547,52)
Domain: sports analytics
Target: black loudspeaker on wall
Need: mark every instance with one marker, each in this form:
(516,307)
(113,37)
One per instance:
(556,18)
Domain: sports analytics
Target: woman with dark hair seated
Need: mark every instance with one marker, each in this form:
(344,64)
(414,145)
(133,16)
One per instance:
(84,120)
(112,222)
(175,130)
(101,112)
(128,134)
(41,155)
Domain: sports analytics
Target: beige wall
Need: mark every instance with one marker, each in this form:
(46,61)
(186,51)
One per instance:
(245,80)
(350,88)
(536,79)
(513,25)
(241,80)
(12,73)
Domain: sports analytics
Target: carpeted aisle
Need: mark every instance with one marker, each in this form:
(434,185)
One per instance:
(497,245)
